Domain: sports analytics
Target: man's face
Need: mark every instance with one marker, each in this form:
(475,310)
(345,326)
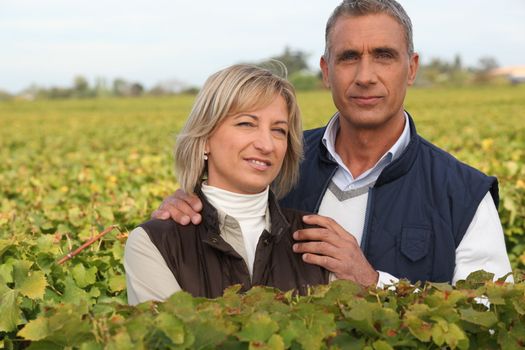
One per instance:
(368,69)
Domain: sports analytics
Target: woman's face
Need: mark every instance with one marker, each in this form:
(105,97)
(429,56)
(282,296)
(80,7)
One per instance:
(246,151)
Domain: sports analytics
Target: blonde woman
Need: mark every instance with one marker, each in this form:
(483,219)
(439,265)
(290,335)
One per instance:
(238,152)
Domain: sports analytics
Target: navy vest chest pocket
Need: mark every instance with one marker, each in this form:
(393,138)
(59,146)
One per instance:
(415,253)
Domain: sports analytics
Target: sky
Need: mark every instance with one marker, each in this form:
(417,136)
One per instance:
(49,42)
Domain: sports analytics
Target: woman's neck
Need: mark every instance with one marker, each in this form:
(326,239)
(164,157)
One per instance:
(237,205)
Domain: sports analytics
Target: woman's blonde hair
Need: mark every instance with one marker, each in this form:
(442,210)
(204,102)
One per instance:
(236,89)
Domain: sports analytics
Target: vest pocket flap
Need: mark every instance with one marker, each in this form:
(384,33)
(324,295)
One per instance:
(415,242)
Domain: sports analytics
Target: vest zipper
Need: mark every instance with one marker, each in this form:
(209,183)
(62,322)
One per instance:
(369,208)
(324,188)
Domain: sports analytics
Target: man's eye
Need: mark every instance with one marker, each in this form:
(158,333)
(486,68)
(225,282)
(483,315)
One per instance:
(349,57)
(384,55)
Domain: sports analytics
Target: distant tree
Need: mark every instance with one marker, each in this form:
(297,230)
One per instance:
(57,93)
(81,87)
(169,87)
(297,70)
(191,90)
(125,88)
(487,63)
(4,95)
(294,61)
(457,65)
(305,81)
(441,72)
(120,87)
(101,88)
(136,89)
(485,66)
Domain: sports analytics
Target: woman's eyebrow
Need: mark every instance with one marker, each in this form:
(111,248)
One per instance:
(253,116)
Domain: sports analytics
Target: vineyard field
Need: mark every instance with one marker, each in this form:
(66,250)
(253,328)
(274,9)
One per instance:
(71,168)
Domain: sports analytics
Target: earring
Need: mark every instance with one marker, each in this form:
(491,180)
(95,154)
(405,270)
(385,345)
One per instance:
(205,156)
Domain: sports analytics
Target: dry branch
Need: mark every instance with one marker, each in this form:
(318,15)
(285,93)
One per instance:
(73,253)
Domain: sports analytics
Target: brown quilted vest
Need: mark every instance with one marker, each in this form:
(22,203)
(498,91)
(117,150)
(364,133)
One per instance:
(204,264)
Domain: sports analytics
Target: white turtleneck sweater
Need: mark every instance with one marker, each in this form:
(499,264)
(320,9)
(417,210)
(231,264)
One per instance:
(249,210)
(148,277)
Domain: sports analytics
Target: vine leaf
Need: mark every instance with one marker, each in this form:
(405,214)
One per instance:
(259,328)
(31,284)
(480,318)
(9,310)
(35,330)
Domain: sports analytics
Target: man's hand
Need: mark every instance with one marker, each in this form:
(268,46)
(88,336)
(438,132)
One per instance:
(181,207)
(333,248)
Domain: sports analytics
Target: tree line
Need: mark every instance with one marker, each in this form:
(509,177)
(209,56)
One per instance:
(437,72)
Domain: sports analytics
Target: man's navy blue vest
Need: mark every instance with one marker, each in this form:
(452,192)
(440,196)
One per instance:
(418,210)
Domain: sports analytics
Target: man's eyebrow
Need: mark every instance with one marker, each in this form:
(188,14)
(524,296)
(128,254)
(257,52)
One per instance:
(387,50)
(347,53)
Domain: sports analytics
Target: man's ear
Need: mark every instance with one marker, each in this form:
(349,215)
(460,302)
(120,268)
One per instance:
(324,70)
(412,68)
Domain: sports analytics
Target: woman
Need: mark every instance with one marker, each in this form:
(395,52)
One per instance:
(243,134)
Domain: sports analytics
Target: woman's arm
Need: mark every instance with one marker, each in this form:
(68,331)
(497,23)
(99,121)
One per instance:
(147,275)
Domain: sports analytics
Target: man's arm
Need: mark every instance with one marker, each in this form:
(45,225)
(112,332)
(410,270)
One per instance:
(483,245)
(147,275)
(482,248)
(181,207)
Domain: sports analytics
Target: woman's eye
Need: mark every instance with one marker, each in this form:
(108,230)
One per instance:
(247,124)
(281,131)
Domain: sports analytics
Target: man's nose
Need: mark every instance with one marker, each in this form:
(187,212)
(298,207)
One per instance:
(365,72)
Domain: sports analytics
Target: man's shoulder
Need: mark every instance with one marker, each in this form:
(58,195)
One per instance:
(313,140)
(314,134)
(457,175)
(438,154)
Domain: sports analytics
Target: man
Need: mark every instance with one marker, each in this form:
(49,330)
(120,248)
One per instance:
(405,208)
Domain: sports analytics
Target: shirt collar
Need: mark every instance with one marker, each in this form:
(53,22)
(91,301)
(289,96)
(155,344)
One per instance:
(393,153)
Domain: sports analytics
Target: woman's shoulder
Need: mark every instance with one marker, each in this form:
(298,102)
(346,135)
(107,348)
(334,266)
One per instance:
(295,218)
(164,231)
(159,226)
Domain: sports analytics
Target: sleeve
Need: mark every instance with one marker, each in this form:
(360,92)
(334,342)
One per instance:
(483,246)
(148,277)
(383,280)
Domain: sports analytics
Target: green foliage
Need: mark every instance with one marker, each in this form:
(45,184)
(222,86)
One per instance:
(341,315)
(71,168)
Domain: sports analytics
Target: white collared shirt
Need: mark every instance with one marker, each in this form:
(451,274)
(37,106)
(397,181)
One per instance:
(343,177)
(482,247)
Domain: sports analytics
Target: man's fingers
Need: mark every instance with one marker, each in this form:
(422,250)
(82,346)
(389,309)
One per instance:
(326,222)
(322,234)
(160,214)
(191,199)
(321,248)
(180,207)
(324,261)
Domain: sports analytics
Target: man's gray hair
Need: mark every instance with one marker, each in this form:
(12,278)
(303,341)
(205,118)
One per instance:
(369,7)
